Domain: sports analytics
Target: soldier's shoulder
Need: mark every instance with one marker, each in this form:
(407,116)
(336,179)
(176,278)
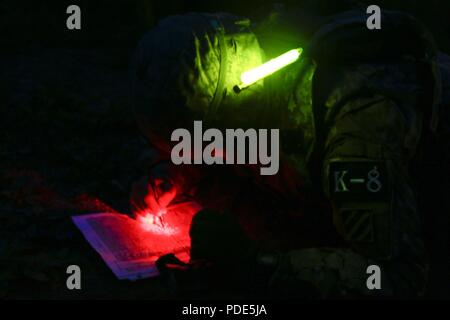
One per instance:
(352,59)
(346,37)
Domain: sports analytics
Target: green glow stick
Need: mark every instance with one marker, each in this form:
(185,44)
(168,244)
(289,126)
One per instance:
(251,76)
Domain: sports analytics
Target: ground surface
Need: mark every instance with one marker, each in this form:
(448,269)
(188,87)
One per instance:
(68,140)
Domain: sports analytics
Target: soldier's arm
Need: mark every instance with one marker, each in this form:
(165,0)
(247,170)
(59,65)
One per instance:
(365,173)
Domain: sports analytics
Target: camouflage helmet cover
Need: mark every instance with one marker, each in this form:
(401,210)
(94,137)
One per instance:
(186,68)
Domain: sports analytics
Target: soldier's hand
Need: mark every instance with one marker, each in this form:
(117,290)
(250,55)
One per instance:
(151,195)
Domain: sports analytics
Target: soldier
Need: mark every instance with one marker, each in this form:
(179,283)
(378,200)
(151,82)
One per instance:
(355,113)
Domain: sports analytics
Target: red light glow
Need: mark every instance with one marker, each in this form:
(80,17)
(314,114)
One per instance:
(167,231)
(143,239)
(153,223)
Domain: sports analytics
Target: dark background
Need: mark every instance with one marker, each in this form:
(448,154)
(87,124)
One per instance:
(68,138)
(121,23)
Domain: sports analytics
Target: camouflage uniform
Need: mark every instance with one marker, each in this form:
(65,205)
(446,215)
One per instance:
(371,103)
(353,114)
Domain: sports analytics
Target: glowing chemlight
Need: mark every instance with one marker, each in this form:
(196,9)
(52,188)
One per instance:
(147,220)
(161,212)
(271,66)
(175,220)
(149,223)
(154,223)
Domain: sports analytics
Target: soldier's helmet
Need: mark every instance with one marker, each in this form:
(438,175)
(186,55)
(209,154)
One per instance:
(186,67)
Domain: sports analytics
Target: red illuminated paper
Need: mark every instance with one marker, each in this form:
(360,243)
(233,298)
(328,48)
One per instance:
(130,247)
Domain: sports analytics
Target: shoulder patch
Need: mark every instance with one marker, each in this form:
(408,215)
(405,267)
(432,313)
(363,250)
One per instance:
(358,180)
(358,225)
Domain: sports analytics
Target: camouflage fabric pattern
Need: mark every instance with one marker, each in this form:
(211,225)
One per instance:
(369,107)
(365,111)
